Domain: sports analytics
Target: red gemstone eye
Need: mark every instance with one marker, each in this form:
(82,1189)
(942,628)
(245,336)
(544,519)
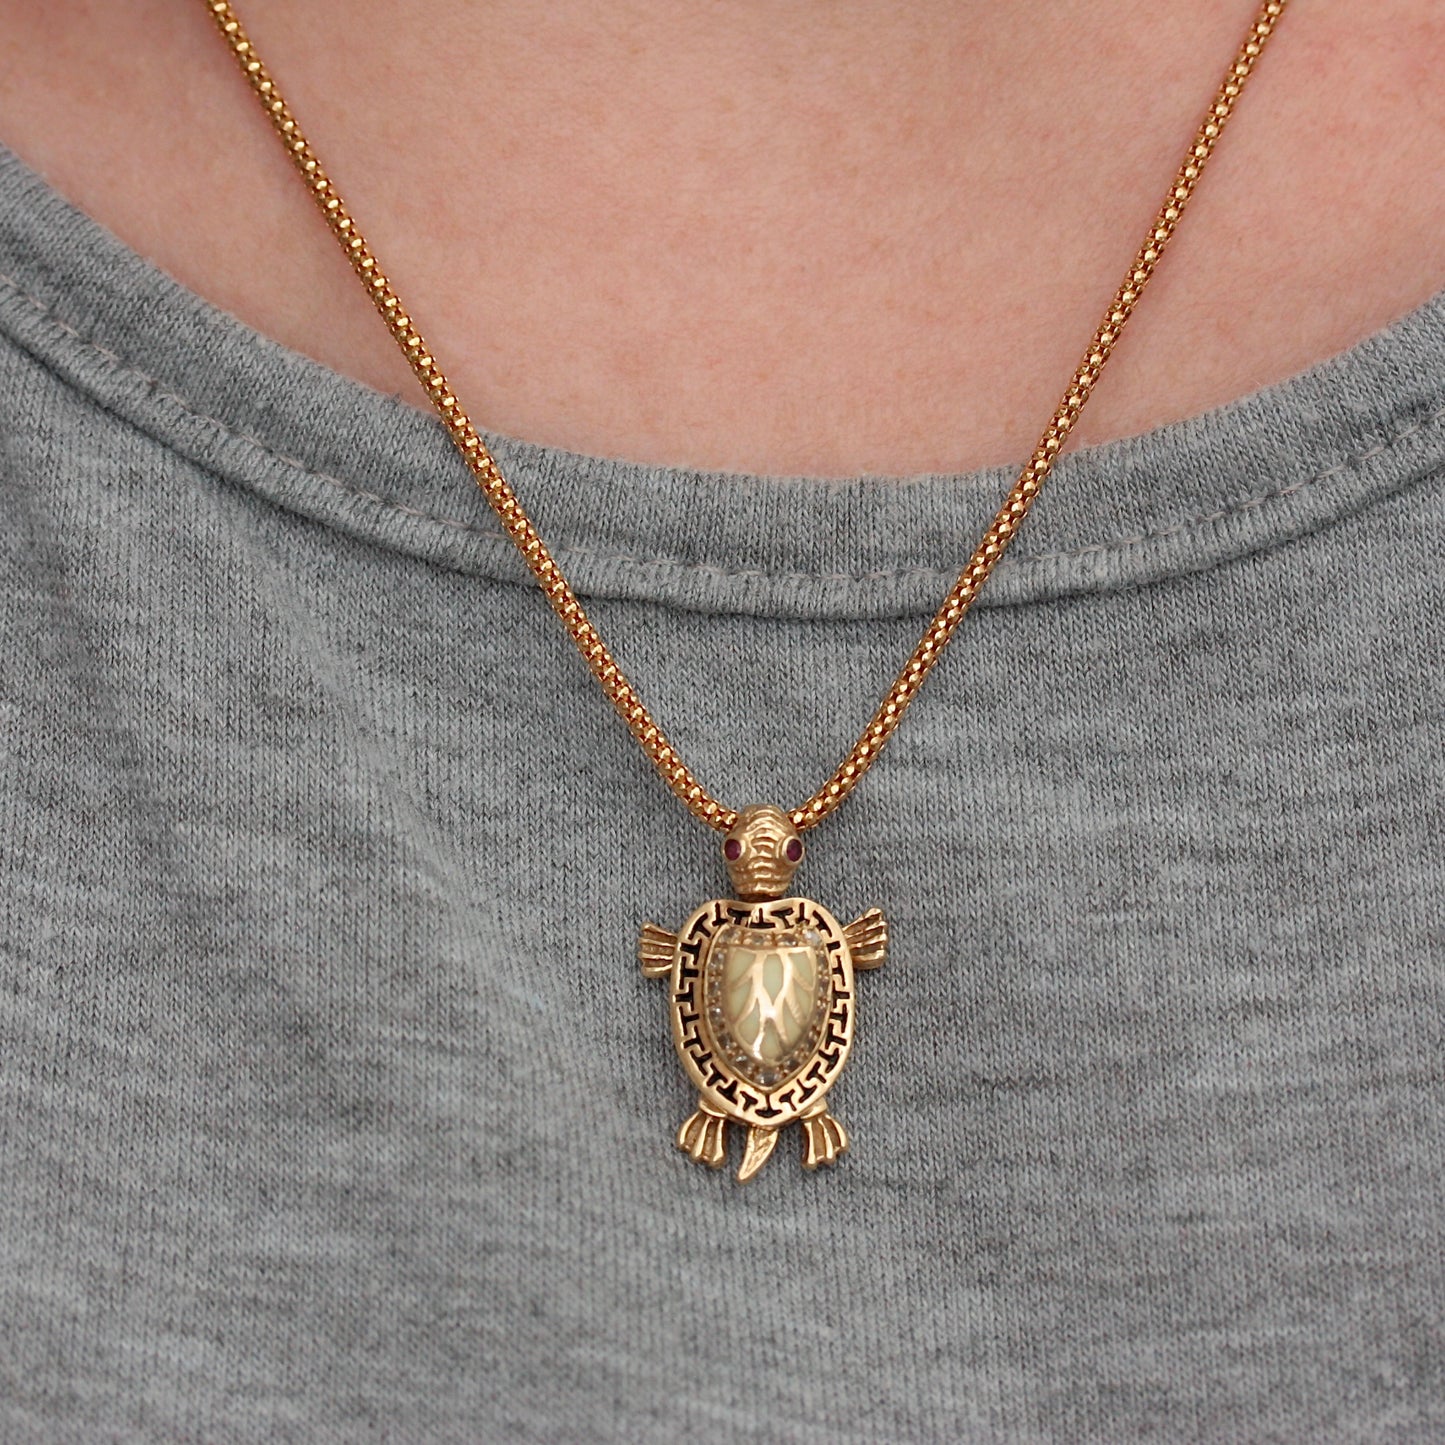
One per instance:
(794,849)
(732,850)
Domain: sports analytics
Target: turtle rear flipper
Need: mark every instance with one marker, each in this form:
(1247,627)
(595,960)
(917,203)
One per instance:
(703,1137)
(824,1138)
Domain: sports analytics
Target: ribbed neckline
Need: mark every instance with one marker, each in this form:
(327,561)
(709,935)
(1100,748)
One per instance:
(1192,495)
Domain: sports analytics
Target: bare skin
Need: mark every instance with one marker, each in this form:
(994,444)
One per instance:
(831,237)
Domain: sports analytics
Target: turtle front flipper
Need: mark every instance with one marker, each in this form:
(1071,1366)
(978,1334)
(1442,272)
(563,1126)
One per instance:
(868,939)
(824,1138)
(703,1137)
(655,951)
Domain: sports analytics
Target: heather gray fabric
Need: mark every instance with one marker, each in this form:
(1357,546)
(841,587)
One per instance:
(332,1104)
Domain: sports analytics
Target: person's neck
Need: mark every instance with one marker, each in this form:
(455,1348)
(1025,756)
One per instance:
(821,238)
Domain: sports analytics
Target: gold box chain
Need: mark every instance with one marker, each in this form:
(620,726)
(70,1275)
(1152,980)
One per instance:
(555,587)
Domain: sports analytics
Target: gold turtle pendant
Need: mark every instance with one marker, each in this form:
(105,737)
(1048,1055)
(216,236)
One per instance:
(763,1000)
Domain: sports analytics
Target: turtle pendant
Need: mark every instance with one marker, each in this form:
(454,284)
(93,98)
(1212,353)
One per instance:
(763,1000)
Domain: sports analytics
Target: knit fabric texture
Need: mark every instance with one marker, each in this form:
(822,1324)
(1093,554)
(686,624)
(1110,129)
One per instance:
(333,1104)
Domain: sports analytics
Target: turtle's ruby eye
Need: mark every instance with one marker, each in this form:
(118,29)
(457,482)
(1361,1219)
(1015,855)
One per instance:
(732,850)
(794,850)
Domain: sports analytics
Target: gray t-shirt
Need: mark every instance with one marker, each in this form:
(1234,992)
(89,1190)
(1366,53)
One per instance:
(333,1105)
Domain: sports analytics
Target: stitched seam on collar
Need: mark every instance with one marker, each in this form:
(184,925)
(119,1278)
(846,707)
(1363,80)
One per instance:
(1017,558)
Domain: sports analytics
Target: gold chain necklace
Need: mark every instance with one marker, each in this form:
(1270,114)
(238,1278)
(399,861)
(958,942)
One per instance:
(762,986)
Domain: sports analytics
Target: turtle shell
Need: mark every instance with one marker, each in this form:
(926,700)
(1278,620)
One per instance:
(762,1006)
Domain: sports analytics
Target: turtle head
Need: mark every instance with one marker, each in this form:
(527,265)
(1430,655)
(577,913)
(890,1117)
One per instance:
(762,851)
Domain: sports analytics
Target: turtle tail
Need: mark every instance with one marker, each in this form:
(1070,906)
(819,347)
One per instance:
(755,1152)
